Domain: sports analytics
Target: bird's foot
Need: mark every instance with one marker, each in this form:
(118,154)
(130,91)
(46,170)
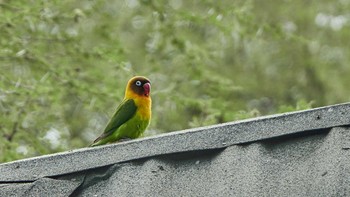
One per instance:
(124,139)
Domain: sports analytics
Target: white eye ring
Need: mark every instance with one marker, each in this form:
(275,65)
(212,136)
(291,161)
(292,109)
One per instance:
(138,83)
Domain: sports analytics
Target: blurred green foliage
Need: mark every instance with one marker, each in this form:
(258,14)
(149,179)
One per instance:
(64,64)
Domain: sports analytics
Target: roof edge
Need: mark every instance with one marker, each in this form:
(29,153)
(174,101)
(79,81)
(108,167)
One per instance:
(203,138)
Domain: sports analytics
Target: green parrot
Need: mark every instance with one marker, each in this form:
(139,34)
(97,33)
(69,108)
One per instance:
(133,115)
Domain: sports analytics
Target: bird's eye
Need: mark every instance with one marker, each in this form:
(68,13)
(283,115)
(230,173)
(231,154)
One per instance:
(138,83)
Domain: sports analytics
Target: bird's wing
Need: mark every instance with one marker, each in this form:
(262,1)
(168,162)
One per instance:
(125,111)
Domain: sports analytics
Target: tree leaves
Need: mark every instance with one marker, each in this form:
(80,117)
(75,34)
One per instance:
(64,65)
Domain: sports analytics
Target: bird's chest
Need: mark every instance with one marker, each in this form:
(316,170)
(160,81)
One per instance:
(144,108)
(137,126)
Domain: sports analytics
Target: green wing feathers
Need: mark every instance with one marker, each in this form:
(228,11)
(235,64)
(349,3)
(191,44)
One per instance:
(125,111)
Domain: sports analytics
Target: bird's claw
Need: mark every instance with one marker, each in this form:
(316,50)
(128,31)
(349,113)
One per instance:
(124,139)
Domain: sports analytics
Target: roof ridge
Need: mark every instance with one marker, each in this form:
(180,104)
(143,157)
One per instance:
(203,138)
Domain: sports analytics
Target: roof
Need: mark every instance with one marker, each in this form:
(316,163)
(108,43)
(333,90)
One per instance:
(299,153)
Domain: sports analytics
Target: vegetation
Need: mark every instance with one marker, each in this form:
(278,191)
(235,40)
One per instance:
(64,64)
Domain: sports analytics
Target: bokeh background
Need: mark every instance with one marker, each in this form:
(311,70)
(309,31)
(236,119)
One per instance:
(64,64)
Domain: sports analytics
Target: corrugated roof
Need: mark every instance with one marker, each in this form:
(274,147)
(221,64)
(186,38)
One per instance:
(291,154)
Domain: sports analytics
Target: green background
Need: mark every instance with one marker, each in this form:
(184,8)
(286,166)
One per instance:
(64,64)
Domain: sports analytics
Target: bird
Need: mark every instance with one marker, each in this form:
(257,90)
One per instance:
(133,115)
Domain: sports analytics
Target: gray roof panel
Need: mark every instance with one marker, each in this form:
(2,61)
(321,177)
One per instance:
(305,152)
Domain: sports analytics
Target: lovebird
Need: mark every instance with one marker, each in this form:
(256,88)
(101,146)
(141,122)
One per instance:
(132,116)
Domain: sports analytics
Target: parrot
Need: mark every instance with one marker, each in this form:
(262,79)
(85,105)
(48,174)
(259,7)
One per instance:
(133,115)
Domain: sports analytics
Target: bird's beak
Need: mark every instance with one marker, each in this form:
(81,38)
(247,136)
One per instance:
(147,88)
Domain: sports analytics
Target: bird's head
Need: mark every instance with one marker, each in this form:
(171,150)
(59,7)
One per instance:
(140,86)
